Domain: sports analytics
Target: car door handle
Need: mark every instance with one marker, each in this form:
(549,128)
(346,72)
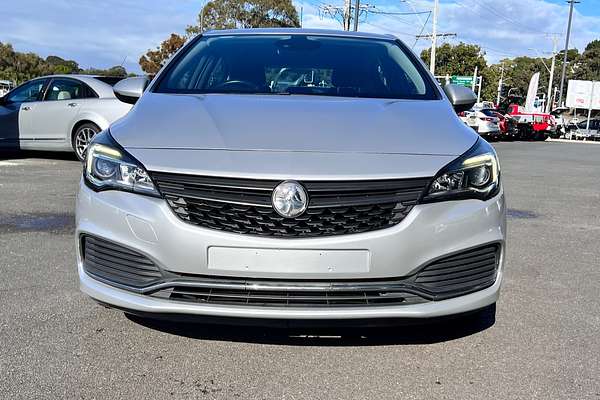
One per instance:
(72,104)
(26,108)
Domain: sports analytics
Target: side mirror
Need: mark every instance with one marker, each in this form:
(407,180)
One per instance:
(131,89)
(461,98)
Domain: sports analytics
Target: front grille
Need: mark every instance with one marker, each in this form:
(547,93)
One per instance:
(289,294)
(117,264)
(244,205)
(460,273)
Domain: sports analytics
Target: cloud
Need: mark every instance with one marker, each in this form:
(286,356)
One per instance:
(94,33)
(503,29)
(103,33)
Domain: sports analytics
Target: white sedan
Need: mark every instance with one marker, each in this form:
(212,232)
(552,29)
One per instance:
(483,122)
(59,113)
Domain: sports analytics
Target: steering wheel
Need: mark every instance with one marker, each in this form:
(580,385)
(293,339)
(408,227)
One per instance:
(239,84)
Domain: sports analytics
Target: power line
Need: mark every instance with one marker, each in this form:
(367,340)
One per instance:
(399,13)
(491,49)
(476,9)
(437,35)
(412,7)
(421,31)
(389,30)
(341,13)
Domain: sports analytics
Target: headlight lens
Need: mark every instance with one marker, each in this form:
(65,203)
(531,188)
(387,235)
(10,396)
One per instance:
(474,175)
(108,166)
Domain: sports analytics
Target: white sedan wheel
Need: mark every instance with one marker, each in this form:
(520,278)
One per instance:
(83,137)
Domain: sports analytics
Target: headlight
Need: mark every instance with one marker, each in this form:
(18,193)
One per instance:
(474,175)
(109,166)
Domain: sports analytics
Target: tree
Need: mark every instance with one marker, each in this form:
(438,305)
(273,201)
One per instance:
(462,59)
(117,70)
(62,66)
(229,14)
(588,65)
(153,60)
(456,60)
(225,14)
(20,67)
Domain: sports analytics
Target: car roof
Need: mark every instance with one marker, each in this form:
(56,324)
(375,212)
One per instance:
(298,31)
(101,88)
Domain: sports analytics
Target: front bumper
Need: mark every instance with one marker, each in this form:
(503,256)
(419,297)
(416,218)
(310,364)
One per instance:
(148,225)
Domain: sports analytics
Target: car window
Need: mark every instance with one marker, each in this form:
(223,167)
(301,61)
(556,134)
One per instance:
(110,80)
(489,113)
(67,89)
(298,64)
(29,91)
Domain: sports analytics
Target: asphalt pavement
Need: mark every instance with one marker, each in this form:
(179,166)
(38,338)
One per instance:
(544,342)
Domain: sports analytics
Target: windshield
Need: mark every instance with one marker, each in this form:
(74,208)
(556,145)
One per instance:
(298,64)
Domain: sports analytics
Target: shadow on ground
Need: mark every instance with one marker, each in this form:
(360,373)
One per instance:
(388,332)
(25,154)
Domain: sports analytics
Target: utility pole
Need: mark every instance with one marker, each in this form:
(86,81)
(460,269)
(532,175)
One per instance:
(347,15)
(433,37)
(587,125)
(564,66)
(433,41)
(500,84)
(356,12)
(550,82)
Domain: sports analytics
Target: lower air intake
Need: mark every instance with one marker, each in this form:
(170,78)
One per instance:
(460,273)
(117,264)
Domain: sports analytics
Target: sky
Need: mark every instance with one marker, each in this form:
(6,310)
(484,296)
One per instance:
(104,33)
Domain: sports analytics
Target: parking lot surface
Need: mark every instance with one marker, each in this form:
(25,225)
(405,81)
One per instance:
(543,344)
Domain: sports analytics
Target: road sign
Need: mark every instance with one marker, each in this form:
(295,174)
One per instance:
(580,93)
(462,80)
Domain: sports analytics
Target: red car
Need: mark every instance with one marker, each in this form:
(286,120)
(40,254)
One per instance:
(536,126)
(508,126)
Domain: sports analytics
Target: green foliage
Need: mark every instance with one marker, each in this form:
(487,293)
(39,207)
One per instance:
(225,14)
(117,70)
(461,59)
(588,65)
(20,67)
(456,60)
(229,14)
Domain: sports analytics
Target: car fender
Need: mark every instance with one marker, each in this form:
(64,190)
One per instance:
(102,113)
(91,117)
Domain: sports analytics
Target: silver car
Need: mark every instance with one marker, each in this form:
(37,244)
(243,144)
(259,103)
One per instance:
(59,112)
(362,196)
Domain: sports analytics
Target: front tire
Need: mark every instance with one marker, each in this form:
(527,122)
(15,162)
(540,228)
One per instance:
(82,137)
